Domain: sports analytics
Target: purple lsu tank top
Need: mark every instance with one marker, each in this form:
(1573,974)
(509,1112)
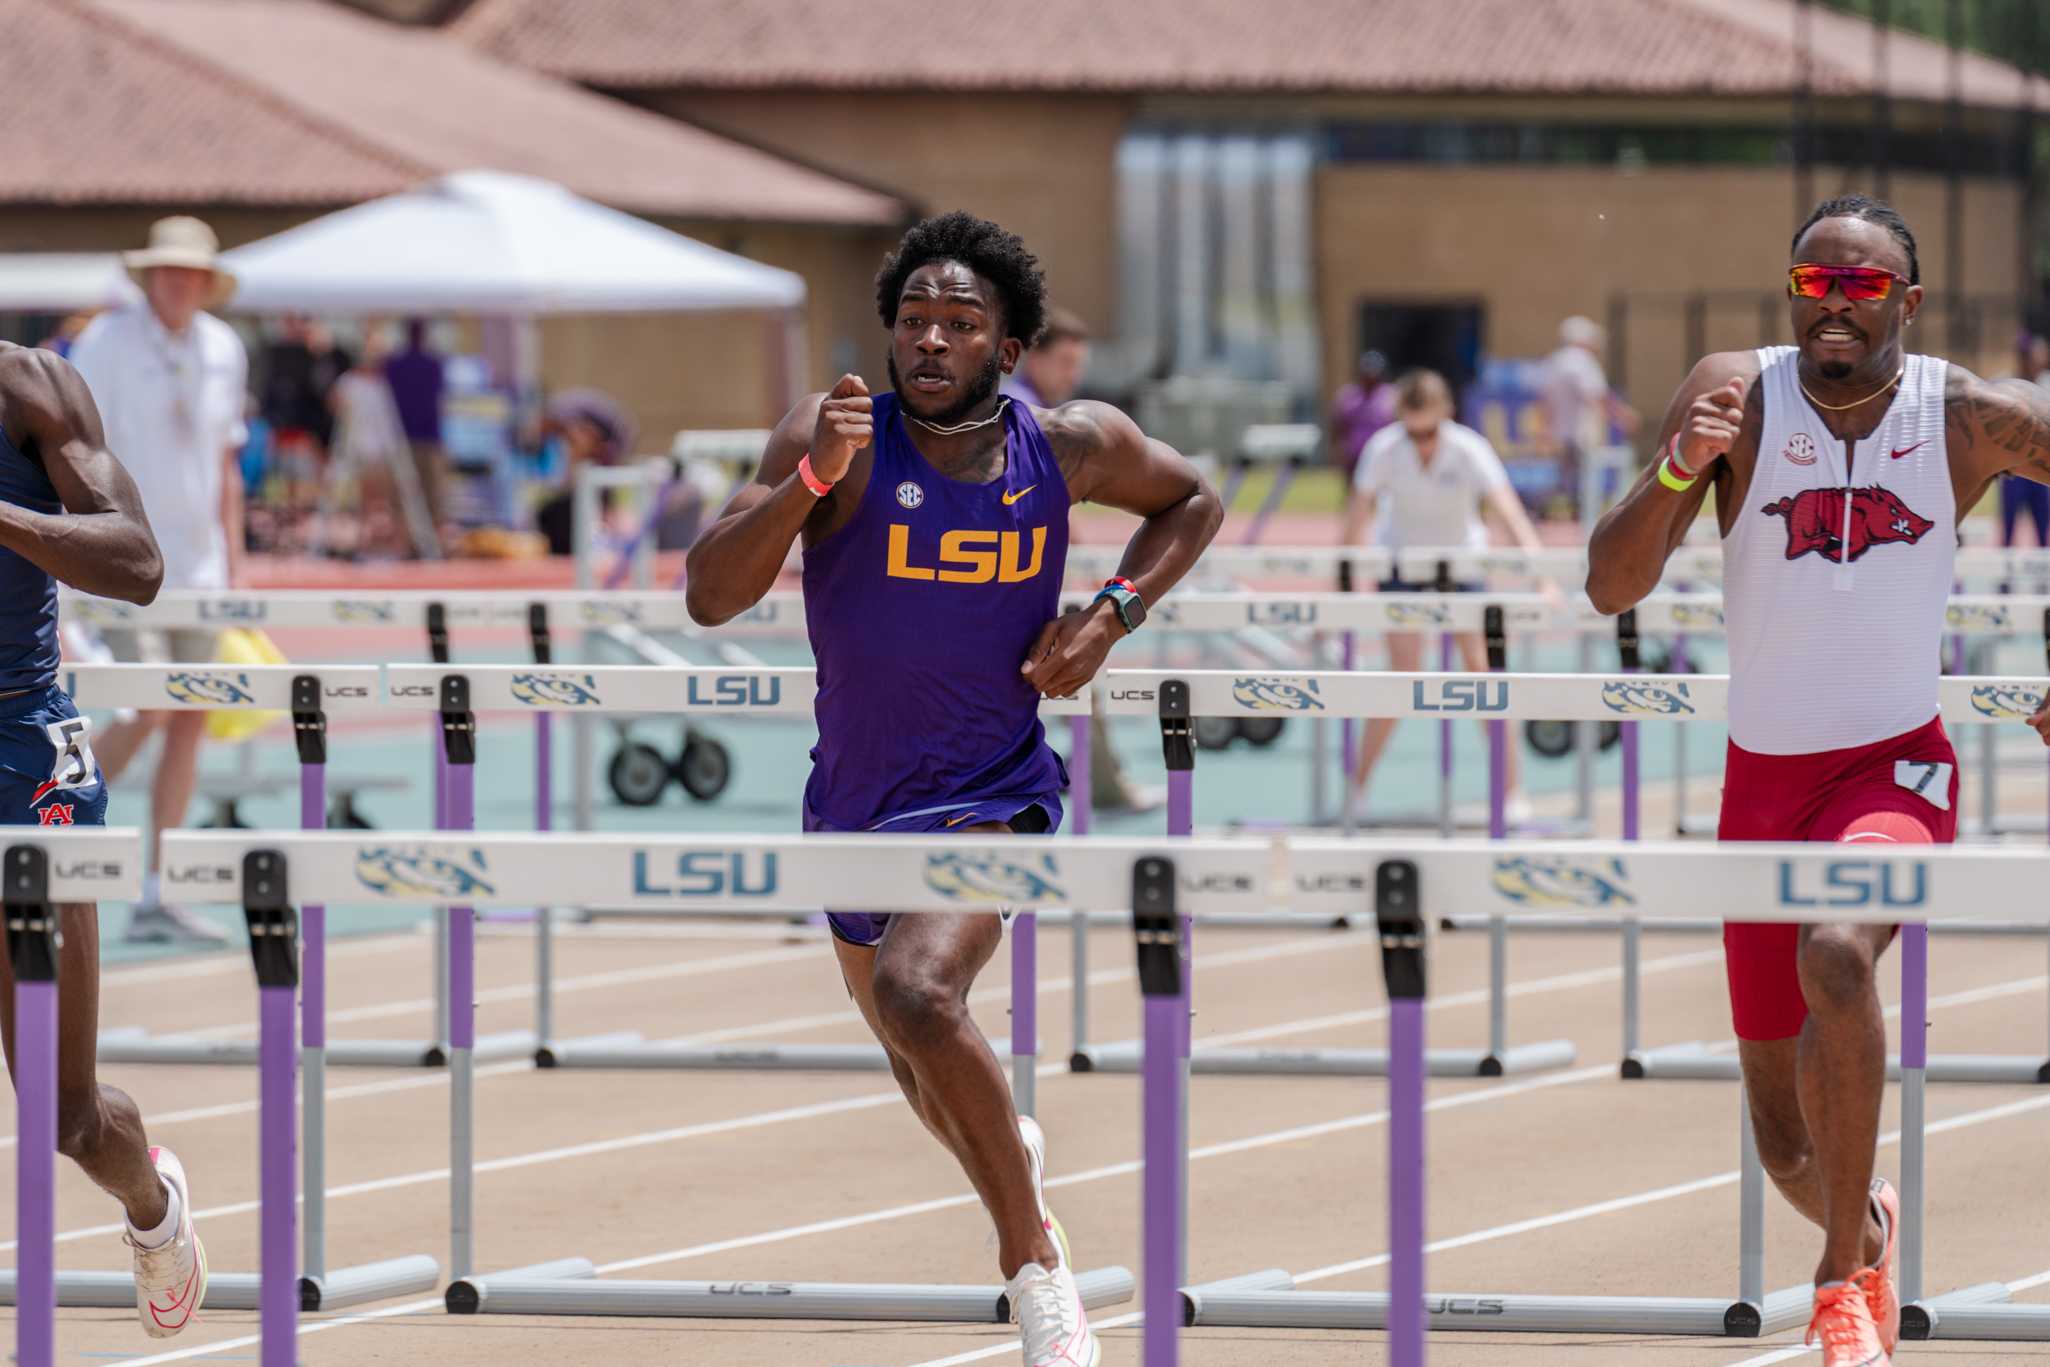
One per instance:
(920,611)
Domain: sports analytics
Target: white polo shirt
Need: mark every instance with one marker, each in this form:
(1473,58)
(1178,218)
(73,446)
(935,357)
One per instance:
(172,405)
(1434,505)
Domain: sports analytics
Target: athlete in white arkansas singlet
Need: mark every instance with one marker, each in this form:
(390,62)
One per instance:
(1840,467)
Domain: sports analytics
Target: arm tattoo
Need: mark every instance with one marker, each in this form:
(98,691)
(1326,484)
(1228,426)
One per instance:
(2006,424)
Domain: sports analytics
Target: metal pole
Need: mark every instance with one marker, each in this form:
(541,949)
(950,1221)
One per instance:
(278,1294)
(1750,1211)
(1584,748)
(32,947)
(462,1039)
(440,913)
(1348,732)
(1162,1082)
(544,916)
(1025,1010)
(1445,824)
(1181,821)
(1406,1182)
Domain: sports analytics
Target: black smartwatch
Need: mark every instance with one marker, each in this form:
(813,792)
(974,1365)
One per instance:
(1125,601)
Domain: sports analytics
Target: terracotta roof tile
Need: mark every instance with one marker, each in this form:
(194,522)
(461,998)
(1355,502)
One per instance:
(98,113)
(440,103)
(1222,46)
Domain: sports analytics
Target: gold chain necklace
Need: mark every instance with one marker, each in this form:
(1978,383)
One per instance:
(1840,407)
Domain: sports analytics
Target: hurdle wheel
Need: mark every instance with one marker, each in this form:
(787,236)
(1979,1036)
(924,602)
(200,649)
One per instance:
(1214,733)
(1261,731)
(704,768)
(638,774)
(1612,731)
(1551,739)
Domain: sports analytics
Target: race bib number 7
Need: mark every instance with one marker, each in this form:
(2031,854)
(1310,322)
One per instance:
(1927,779)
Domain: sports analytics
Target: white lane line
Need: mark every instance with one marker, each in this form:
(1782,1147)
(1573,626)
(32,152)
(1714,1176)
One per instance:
(1987,1115)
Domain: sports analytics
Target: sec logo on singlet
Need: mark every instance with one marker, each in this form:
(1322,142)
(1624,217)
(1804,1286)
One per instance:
(1800,449)
(910,495)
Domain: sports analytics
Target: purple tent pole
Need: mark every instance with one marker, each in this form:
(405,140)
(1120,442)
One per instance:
(35,1099)
(1406,1181)
(278,1087)
(1161,1264)
(1079,779)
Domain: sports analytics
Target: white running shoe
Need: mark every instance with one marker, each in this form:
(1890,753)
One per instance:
(170,1279)
(1051,1322)
(1035,1149)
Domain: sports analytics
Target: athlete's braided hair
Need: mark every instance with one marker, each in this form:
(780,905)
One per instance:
(1872,211)
(983,247)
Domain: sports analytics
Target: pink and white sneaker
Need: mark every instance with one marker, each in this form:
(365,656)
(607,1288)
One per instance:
(1051,1321)
(170,1279)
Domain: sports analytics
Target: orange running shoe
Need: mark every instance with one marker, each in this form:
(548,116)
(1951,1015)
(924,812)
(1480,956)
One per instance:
(1879,1282)
(1843,1326)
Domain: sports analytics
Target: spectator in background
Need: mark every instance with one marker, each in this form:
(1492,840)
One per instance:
(1361,409)
(2018,495)
(1423,481)
(371,451)
(1579,405)
(170,380)
(418,380)
(1047,377)
(591,427)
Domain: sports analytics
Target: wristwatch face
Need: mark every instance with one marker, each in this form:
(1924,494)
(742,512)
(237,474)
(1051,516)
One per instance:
(1131,611)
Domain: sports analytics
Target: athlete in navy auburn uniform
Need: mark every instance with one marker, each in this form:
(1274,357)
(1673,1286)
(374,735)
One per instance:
(70,513)
(1841,466)
(934,520)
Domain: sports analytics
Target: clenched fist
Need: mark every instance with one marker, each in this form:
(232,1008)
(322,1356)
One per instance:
(1710,428)
(846,424)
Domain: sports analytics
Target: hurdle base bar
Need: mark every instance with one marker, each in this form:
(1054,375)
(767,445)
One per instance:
(1695,1062)
(1470,1312)
(1124,1057)
(136,1046)
(239,1290)
(347,1286)
(1271,1279)
(1983,1308)
(631,1051)
(765,1300)
(466,1295)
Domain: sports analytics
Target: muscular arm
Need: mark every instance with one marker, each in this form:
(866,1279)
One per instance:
(736,559)
(1627,553)
(1993,428)
(101,543)
(1106,459)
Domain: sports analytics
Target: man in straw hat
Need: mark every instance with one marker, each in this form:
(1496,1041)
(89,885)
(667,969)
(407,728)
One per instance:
(69,513)
(170,379)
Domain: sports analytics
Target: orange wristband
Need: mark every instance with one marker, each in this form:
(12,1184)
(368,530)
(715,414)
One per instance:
(819,488)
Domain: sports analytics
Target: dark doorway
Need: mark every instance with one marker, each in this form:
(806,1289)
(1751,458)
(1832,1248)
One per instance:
(1446,337)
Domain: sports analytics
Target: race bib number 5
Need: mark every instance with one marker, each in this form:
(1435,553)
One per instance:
(74,766)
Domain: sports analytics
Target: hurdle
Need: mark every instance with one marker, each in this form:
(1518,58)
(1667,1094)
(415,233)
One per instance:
(1408,886)
(269,873)
(588,690)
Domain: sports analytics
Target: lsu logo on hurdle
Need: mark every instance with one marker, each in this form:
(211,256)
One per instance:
(363,611)
(1853,883)
(555,690)
(705,873)
(1978,617)
(1271,694)
(969,877)
(1642,698)
(1418,615)
(1459,695)
(201,689)
(1702,615)
(2007,702)
(398,872)
(1563,883)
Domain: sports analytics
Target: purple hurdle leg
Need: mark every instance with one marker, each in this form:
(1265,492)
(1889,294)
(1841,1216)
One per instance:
(1348,660)
(1162,1115)
(1079,778)
(544,772)
(1406,1182)
(313,1024)
(35,1100)
(278,1052)
(1181,821)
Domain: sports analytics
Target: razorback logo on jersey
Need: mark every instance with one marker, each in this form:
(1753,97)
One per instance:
(1815,522)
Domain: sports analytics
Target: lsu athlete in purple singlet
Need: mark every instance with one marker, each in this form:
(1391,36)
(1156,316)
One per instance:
(934,521)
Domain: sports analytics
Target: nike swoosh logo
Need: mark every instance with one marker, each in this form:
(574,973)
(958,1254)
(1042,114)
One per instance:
(1906,449)
(957,820)
(1010,498)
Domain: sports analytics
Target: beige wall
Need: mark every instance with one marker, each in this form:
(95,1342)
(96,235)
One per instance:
(1043,166)
(1534,245)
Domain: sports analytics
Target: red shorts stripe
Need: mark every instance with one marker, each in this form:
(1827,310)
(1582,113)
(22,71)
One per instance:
(1903,789)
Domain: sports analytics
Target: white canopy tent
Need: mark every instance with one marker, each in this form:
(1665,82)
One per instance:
(63,282)
(489,244)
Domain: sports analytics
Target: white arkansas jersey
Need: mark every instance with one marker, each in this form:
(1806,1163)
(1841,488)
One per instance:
(1836,575)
